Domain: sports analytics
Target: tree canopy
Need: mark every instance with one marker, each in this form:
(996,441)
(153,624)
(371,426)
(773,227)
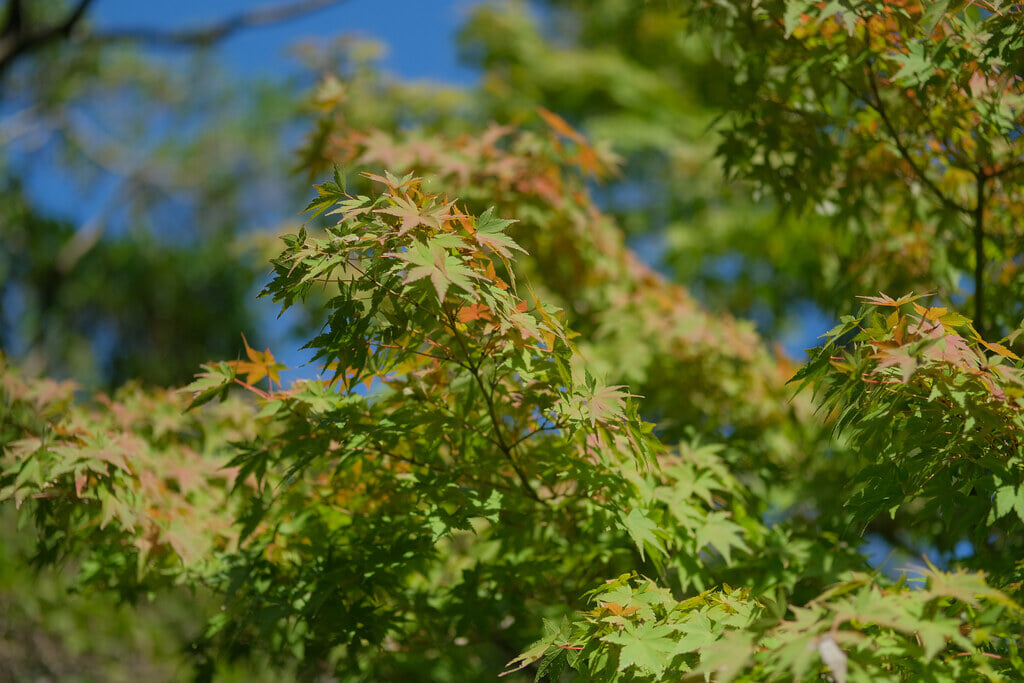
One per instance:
(548,429)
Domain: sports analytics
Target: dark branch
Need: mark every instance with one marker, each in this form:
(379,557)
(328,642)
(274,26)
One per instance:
(15,17)
(17,39)
(214,32)
(1006,170)
(488,396)
(879,106)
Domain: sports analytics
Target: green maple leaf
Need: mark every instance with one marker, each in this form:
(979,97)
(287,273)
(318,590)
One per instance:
(490,233)
(722,534)
(648,647)
(697,634)
(642,530)
(433,261)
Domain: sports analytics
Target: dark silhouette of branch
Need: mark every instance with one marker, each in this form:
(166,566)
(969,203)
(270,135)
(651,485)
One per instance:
(17,38)
(211,33)
(15,18)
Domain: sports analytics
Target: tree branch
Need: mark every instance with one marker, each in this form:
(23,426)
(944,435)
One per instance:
(979,254)
(17,39)
(214,32)
(488,396)
(15,18)
(1009,168)
(879,107)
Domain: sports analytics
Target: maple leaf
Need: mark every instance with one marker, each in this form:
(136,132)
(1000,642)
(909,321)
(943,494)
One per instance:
(490,233)
(642,530)
(648,647)
(328,194)
(474,312)
(559,125)
(210,384)
(260,364)
(413,216)
(394,184)
(618,610)
(999,348)
(898,357)
(886,300)
(433,260)
(607,402)
(722,534)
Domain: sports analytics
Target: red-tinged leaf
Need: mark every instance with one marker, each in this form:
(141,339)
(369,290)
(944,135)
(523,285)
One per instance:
(607,403)
(413,216)
(552,329)
(885,300)
(899,358)
(396,185)
(995,347)
(491,275)
(184,541)
(590,162)
(559,125)
(474,312)
(620,611)
(464,219)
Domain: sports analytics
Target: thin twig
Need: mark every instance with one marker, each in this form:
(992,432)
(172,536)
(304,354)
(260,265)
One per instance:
(214,32)
(979,254)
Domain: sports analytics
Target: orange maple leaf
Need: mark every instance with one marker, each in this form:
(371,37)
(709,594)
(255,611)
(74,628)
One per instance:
(260,364)
(559,125)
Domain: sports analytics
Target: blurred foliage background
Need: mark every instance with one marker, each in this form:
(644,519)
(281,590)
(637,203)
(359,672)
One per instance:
(121,202)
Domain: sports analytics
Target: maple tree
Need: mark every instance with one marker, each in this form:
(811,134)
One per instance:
(528,452)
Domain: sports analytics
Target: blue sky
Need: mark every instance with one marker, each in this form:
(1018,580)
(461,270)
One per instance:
(420,34)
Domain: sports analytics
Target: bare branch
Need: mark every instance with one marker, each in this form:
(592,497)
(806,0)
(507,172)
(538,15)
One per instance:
(207,35)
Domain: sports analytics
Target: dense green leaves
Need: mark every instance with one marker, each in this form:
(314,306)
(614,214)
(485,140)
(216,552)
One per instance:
(890,375)
(900,122)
